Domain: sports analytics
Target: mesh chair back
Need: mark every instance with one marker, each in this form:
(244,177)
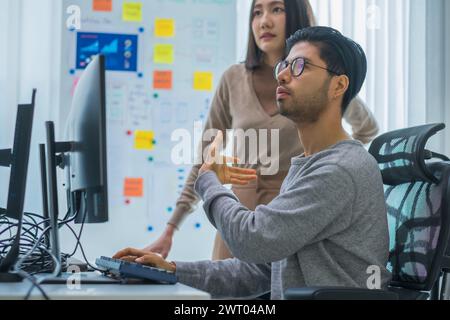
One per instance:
(416,193)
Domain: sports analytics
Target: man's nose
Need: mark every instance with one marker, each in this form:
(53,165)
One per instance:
(283,76)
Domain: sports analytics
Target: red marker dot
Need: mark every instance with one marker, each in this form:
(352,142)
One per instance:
(129,133)
(127,201)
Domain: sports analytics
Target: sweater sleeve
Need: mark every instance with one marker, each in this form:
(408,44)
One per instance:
(230,278)
(362,120)
(312,209)
(219,118)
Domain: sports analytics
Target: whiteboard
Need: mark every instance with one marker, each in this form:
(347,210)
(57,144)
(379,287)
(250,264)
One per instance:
(164,59)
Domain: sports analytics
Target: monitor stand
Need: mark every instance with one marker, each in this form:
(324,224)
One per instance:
(10,277)
(5,157)
(6,275)
(50,160)
(5,161)
(81,265)
(90,277)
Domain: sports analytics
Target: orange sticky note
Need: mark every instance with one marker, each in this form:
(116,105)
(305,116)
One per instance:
(134,187)
(162,80)
(102,5)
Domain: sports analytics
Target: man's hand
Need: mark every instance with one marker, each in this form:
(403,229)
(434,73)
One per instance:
(218,164)
(146,258)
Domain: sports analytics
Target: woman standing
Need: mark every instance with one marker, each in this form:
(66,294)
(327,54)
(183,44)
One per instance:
(246,99)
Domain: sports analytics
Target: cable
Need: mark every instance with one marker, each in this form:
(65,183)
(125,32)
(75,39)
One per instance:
(35,256)
(28,237)
(78,237)
(27,276)
(82,251)
(38,282)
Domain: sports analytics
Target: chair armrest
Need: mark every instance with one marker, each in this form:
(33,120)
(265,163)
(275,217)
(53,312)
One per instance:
(338,293)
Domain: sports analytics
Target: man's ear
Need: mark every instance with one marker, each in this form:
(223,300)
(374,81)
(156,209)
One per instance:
(340,86)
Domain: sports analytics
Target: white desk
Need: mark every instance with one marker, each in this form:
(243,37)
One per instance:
(17,291)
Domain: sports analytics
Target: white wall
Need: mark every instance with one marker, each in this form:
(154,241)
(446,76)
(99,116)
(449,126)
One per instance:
(8,86)
(243,13)
(30,60)
(447,76)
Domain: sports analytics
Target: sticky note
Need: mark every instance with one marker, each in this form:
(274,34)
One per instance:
(162,80)
(164,28)
(203,81)
(163,53)
(102,5)
(133,187)
(143,140)
(132,11)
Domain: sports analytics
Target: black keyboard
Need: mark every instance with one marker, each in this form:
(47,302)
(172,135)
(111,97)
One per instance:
(133,270)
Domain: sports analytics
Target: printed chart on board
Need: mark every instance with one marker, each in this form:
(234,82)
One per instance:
(164,60)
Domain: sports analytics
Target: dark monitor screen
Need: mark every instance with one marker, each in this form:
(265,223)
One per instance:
(19,160)
(86,129)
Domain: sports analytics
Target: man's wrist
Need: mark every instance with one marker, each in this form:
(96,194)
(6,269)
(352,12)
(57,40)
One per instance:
(173,266)
(204,168)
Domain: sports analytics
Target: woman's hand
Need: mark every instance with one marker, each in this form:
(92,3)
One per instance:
(163,244)
(146,258)
(218,164)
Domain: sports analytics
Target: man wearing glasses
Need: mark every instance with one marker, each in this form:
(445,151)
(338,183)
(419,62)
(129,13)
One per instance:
(328,226)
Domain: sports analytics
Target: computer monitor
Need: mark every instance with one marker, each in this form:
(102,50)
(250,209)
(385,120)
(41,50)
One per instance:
(17,159)
(83,155)
(86,128)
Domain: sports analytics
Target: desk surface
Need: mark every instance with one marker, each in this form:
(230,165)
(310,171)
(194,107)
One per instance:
(18,291)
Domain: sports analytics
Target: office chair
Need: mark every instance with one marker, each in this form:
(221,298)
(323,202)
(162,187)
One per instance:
(417,193)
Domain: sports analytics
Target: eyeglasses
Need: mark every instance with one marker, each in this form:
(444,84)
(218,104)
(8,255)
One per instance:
(297,67)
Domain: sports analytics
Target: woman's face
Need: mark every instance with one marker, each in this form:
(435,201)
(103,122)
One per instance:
(269,26)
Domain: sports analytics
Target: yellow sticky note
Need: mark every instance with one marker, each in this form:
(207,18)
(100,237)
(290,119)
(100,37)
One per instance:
(143,140)
(132,11)
(164,28)
(163,53)
(203,81)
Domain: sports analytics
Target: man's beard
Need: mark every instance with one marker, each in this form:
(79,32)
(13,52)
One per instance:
(309,108)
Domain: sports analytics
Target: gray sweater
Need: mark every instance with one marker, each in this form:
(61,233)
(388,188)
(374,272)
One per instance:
(237,106)
(326,228)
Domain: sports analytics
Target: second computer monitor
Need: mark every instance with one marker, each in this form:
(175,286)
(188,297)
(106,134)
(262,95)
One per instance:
(19,159)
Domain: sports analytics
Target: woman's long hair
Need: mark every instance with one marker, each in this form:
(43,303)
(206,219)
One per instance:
(299,15)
